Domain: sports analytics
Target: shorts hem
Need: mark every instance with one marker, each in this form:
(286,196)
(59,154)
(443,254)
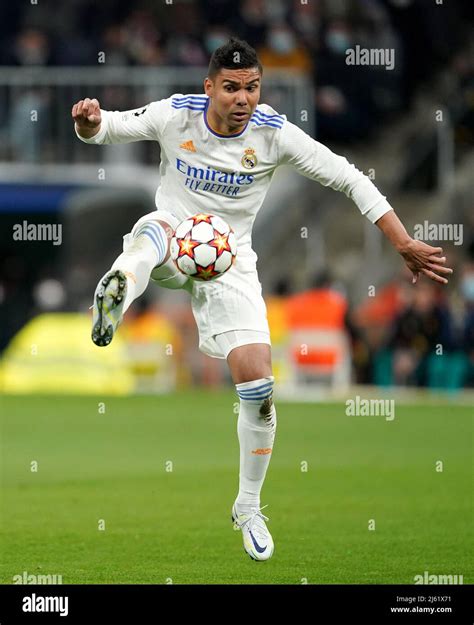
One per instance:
(207,346)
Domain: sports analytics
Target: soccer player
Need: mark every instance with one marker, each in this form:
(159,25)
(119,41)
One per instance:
(219,151)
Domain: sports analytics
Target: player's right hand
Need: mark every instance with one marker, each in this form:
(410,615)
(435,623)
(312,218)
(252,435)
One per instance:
(86,113)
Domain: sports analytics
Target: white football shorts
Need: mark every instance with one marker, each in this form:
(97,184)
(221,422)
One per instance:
(229,311)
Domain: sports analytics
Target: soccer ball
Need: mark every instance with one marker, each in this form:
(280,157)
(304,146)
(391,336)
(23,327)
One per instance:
(203,247)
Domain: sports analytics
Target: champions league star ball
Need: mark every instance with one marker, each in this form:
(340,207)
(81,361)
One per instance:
(203,247)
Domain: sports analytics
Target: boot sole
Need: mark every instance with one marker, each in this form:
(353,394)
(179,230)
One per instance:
(103,336)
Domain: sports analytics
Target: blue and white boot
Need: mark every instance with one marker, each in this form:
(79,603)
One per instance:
(258,541)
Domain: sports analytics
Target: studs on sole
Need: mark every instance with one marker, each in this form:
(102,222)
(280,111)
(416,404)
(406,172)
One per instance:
(109,295)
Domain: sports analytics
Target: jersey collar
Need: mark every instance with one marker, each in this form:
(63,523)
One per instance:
(218,134)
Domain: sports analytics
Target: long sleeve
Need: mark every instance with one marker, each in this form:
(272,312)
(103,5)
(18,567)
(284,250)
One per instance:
(316,161)
(146,123)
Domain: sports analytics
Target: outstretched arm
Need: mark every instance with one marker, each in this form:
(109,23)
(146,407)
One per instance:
(316,161)
(419,256)
(96,125)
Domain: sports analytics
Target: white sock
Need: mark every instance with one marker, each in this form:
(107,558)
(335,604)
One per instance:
(256,428)
(142,253)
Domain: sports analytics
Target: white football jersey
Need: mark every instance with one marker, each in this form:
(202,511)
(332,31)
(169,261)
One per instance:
(203,171)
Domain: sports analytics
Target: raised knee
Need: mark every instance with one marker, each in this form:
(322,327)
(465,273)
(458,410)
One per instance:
(158,232)
(166,227)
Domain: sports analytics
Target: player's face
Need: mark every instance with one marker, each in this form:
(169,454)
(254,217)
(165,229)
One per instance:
(234,97)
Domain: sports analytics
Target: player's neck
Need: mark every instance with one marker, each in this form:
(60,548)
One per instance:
(217,125)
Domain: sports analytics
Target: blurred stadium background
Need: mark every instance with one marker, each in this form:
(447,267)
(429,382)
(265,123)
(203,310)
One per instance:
(327,274)
(331,283)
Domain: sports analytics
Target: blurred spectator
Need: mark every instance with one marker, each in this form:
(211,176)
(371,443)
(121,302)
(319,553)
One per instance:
(467,291)
(76,50)
(143,39)
(370,322)
(422,330)
(215,37)
(344,104)
(251,21)
(28,124)
(187,19)
(377,313)
(428,38)
(30,47)
(216,12)
(282,49)
(113,44)
(185,50)
(318,340)
(305,19)
(462,107)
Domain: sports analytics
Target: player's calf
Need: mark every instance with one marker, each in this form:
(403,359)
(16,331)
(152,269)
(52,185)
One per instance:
(256,428)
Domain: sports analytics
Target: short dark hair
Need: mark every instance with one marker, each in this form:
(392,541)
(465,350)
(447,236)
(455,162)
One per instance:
(235,54)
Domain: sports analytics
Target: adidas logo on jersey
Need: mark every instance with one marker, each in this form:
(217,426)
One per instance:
(188,145)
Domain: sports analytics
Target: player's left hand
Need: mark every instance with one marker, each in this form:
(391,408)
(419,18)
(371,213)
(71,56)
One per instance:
(423,258)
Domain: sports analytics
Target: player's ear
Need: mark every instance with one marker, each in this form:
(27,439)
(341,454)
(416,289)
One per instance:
(207,85)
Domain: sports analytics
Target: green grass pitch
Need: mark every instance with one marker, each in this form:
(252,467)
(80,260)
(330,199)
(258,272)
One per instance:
(173,526)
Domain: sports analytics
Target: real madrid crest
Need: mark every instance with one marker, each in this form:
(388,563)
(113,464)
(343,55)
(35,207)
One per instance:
(249,160)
